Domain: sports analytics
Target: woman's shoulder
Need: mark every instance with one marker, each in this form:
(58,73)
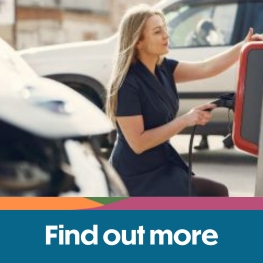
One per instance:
(129,82)
(169,64)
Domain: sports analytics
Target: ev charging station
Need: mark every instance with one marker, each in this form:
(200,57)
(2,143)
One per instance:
(248,118)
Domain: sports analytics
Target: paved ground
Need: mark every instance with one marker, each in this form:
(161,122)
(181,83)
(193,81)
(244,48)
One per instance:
(232,167)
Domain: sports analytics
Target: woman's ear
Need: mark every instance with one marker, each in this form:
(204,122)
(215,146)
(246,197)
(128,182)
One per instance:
(138,45)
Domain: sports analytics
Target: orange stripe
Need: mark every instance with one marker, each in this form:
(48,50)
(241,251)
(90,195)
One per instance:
(47,203)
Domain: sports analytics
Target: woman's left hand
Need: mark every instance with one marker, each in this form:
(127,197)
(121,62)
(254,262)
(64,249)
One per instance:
(253,37)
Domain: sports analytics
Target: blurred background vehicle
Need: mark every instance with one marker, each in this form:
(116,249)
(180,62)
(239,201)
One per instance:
(86,66)
(48,144)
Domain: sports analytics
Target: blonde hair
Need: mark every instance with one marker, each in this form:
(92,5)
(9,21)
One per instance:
(130,32)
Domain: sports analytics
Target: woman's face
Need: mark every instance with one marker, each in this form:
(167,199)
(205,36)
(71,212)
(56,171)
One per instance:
(155,38)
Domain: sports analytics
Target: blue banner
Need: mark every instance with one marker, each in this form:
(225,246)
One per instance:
(131,236)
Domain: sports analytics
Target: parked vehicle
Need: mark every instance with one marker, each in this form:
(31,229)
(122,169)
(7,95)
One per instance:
(198,29)
(47,143)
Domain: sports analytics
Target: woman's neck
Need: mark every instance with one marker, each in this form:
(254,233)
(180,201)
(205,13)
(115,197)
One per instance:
(149,62)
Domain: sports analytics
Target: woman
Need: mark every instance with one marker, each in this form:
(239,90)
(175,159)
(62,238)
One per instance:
(143,103)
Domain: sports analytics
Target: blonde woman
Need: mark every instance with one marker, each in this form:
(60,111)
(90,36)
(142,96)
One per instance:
(143,103)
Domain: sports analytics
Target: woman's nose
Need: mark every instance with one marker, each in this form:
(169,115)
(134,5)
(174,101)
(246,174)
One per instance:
(165,34)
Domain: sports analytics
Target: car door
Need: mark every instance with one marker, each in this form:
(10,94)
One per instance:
(184,19)
(255,16)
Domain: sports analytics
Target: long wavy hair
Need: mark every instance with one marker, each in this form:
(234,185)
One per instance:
(130,32)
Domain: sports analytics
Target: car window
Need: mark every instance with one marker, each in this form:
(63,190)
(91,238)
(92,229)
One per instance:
(201,25)
(257,21)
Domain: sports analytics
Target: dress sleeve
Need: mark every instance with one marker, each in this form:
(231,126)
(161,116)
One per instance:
(129,103)
(171,64)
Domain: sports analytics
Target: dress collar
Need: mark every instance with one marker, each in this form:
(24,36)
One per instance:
(157,82)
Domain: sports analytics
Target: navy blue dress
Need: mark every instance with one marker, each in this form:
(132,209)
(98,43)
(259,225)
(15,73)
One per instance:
(159,171)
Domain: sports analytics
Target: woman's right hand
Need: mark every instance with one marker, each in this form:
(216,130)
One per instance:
(199,115)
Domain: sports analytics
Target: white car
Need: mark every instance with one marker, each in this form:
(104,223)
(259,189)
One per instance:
(198,29)
(47,143)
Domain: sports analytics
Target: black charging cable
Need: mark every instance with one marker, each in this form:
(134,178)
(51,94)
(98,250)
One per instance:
(190,160)
(226,100)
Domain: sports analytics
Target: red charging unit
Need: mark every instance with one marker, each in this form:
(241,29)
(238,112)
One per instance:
(248,103)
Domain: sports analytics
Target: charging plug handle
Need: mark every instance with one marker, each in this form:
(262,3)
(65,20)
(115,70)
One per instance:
(226,100)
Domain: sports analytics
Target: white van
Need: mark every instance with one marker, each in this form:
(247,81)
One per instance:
(86,66)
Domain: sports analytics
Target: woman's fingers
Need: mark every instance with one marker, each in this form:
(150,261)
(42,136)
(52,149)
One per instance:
(257,37)
(253,37)
(198,116)
(204,107)
(204,117)
(249,34)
